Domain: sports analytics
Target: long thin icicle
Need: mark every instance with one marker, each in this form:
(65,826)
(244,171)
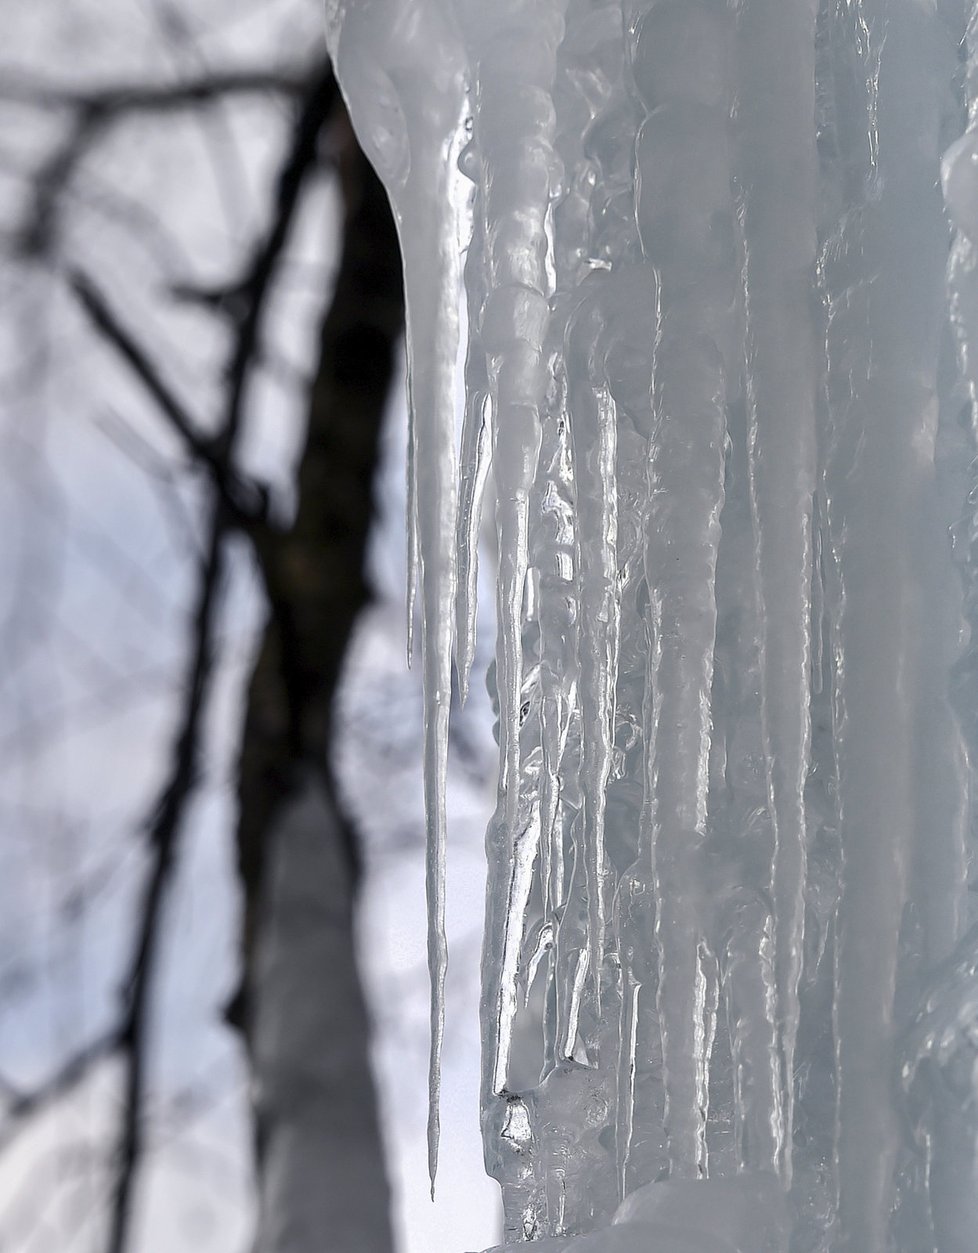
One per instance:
(742,916)
(778,167)
(412,553)
(409,119)
(475,456)
(593,421)
(595,137)
(680,204)
(555,535)
(513,136)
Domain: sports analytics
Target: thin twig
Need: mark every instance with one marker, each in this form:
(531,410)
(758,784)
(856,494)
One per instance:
(151,97)
(246,500)
(254,290)
(164,829)
(171,808)
(67,1077)
(94,112)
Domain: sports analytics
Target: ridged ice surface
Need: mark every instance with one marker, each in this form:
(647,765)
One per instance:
(721,271)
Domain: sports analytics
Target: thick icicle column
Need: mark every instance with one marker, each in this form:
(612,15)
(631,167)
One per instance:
(722,286)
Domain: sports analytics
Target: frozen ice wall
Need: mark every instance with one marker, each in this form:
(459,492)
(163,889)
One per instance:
(723,334)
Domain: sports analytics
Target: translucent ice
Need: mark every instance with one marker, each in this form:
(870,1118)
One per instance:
(742,1215)
(722,293)
(402,68)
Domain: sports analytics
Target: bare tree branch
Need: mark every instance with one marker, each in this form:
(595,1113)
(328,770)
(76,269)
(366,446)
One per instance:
(68,1076)
(246,500)
(169,814)
(95,112)
(248,299)
(358,349)
(164,829)
(253,291)
(116,98)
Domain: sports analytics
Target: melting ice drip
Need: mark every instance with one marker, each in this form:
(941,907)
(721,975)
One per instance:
(723,334)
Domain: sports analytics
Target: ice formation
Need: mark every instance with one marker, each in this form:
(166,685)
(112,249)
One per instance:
(721,364)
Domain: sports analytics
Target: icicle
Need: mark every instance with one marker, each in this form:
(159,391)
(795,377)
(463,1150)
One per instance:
(411,599)
(476,451)
(593,421)
(941,870)
(537,944)
(723,716)
(749,985)
(513,135)
(555,558)
(509,979)
(594,139)
(407,109)
(777,163)
(884,288)
(939,1074)
(639,1060)
(737,865)
(627,1058)
(707,1002)
(818,605)
(506,961)
(679,203)
(581,88)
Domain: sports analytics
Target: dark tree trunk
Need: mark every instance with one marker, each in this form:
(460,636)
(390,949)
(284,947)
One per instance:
(322,1182)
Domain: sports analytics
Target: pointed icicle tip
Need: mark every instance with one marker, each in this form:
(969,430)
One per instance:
(434,1137)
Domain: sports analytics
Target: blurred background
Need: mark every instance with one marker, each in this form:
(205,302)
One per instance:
(210,778)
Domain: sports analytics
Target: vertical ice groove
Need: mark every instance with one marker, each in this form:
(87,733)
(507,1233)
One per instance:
(632,966)
(938,1052)
(403,70)
(818,604)
(513,126)
(883,275)
(593,139)
(628,1048)
(554,555)
(742,923)
(777,164)
(476,451)
(411,517)
(680,64)
(707,1000)
(513,52)
(506,962)
(638,1064)
(514,915)
(593,420)
(570,956)
(556,550)
(944,905)
(753,1038)
(938,1063)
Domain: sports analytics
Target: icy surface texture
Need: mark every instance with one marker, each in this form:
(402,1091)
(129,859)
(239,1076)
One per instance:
(746,1214)
(722,367)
